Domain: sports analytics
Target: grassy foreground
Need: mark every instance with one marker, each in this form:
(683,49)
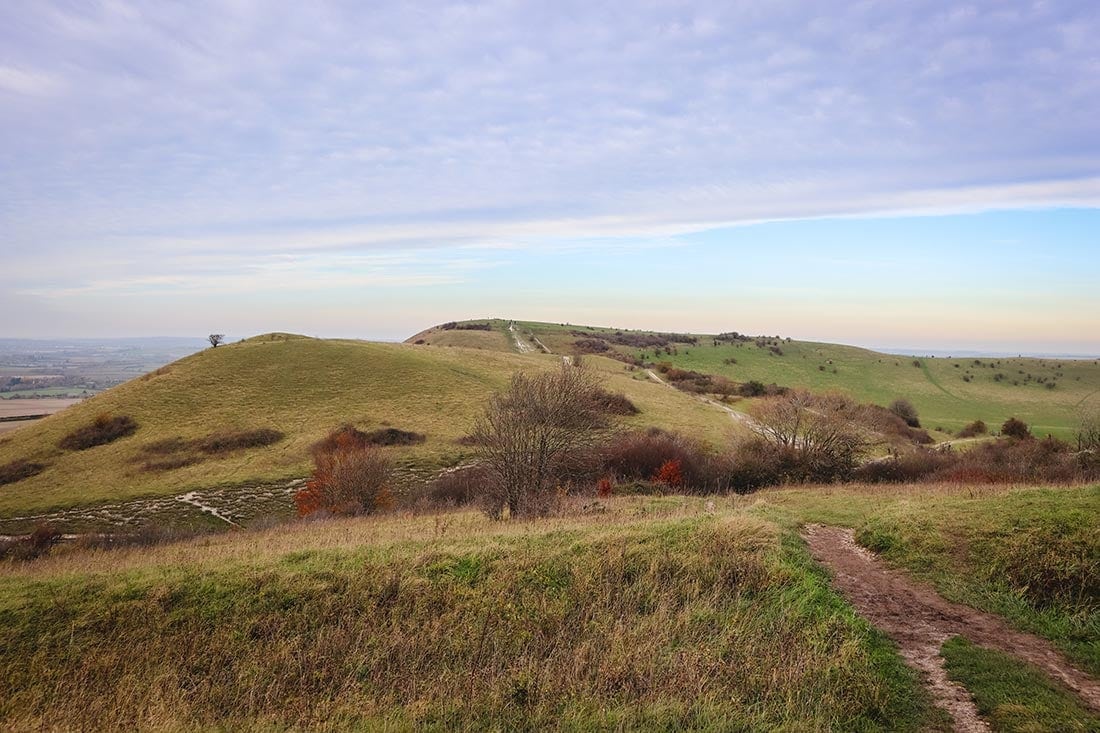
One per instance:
(650,615)
(657,613)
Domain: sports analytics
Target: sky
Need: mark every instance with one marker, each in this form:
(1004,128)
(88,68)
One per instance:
(917,175)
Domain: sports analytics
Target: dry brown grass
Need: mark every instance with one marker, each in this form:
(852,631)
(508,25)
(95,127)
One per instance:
(651,614)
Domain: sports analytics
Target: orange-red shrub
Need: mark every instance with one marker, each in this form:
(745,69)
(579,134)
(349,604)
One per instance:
(671,473)
(604,488)
(350,476)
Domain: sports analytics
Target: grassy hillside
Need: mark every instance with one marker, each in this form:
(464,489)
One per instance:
(948,393)
(495,339)
(303,388)
(652,615)
(641,614)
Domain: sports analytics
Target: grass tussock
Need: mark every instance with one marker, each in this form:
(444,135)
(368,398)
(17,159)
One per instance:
(639,619)
(104,429)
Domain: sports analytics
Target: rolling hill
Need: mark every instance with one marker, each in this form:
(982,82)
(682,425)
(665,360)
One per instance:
(297,389)
(302,388)
(949,393)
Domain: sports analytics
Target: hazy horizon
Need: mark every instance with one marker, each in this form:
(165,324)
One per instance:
(921,177)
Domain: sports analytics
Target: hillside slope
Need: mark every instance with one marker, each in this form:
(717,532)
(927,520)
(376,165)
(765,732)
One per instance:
(948,392)
(653,614)
(302,388)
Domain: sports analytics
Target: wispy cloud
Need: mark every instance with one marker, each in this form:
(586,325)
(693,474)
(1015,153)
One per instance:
(136,135)
(29,82)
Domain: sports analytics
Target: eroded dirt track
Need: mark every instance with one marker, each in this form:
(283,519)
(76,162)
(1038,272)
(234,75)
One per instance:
(919,620)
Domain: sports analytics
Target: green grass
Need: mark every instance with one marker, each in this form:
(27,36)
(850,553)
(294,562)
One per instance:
(1013,695)
(936,386)
(497,339)
(1031,555)
(304,388)
(652,615)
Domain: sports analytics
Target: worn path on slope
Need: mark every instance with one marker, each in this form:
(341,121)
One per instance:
(919,620)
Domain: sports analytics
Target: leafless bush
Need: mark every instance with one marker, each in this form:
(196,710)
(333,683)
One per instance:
(347,436)
(904,409)
(394,436)
(1014,428)
(104,429)
(532,436)
(614,403)
(228,441)
(974,429)
(1088,431)
(908,467)
(171,463)
(18,470)
(755,463)
(639,455)
(459,486)
(591,346)
(823,431)
(39,542)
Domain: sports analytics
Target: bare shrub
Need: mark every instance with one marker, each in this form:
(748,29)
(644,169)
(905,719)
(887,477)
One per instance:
(639,455)
(394,436)
(823,431)
(1014,460)
(459,486)
(752,388)
(532,436)
(18,470)
(755,463)
(170,463)
(348,436)
(1087,433)
(591,346)
(177,452)
(904,409)
(39,542)
(1018,429)
(226,442)
(614,403)
(104,429)
(907,467)
(889,425)
(973,430)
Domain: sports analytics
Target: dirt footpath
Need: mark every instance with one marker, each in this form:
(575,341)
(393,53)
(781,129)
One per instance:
(919,620)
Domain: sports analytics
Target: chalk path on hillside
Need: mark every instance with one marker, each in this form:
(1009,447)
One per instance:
(521,346)
(738,417)
(919,621)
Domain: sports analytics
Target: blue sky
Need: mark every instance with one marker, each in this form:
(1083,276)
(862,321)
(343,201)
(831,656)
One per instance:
(922,174)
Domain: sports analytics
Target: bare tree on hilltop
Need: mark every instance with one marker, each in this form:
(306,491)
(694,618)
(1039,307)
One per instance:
(215,339)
